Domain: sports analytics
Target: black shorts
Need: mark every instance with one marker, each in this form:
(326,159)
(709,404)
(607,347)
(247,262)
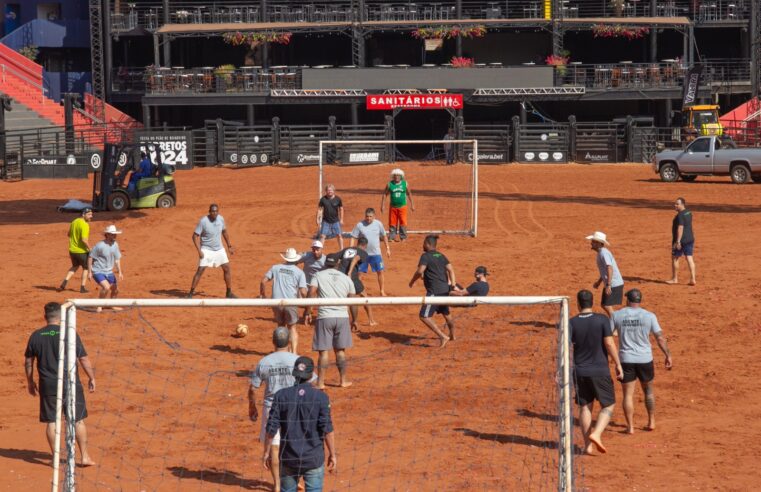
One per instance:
(591,388)
(359,287)
(645,372)
(615,298)
(428,310)
(78,259)
(47,406)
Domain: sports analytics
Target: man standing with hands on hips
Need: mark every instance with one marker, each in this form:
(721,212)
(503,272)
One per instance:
(683,241)
(207,238)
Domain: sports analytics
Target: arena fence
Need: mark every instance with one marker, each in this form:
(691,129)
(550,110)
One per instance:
(494,143)
(176,411)
(542,143)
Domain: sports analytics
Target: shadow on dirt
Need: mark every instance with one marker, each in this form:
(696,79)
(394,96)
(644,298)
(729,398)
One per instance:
(645,280)
(512,439)
(176,293)
(666,205)
(390,336)
(28,455)
(219,477)
(236,350)
(44,211)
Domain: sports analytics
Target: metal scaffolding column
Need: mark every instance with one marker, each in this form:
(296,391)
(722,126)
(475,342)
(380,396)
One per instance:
(358,34)
(95,9)
(755,48)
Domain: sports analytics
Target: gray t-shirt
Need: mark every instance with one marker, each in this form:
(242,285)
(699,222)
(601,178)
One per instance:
(332,283)
(634,327)
(211,232)
(104,257)
(373,232)
(605,258)
(312,264)
(276,371)
(287,280)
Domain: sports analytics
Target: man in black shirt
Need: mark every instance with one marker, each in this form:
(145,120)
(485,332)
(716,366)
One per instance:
(43,347)
(479,288)
(682,241)
(350,261)
(302,415)
(438,276)
(330,216)
(592,340)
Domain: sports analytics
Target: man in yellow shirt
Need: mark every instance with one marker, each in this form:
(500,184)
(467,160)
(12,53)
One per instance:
(79,248)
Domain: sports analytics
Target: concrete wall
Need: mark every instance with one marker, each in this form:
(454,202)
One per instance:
(427,78)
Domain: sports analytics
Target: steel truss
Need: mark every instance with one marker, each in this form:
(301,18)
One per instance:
(532,91)
(96,57)
(318,92)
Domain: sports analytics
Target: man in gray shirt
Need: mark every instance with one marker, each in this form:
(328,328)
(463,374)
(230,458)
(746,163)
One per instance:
(332,330)
(610,277)
(288,282)
(313,262)
(207,238)
(634,326)
(373,230)
(103,258)
(275,371)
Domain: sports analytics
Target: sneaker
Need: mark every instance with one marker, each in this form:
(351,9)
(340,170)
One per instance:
(61,287)
(230,295)
(82,290)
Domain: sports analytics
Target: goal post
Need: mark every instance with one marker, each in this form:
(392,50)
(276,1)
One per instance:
(559,390)
(438,197)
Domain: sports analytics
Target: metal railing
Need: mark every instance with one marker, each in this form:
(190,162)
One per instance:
(150,14)
(180,80)
(53,141)
(648,75)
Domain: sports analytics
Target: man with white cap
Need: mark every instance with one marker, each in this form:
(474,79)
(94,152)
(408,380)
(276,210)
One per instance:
(289,282)
(313,261)
(399,190)
(610,276)
(104,257)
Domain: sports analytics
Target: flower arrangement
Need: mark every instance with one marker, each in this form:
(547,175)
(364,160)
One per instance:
(31,52)
(618,31)
(254,39)
(447,32)
(559,61)
(461,62)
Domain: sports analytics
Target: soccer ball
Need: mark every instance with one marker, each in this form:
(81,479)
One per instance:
(241,331)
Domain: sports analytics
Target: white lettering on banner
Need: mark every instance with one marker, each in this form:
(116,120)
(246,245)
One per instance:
(174,148)
(529,156)
(557,156)
(364,156)
(487,157)
(307,157)
(42,161)
(544,156)
(597,157)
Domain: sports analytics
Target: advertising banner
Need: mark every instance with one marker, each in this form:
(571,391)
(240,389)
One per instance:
(386,102)
(175,146)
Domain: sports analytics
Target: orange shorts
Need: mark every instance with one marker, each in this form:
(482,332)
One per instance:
(397,217)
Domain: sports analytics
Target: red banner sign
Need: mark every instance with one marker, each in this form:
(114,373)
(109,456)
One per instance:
(414,101)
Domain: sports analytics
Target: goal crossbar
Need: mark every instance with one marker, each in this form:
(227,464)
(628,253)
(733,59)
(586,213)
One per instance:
(473,231)
(68,371)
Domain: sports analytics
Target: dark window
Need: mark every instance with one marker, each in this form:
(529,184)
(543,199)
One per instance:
(700,145)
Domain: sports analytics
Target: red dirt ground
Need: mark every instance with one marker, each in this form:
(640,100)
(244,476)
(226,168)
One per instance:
(475,415)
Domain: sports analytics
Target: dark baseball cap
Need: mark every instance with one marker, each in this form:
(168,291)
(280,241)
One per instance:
(303,368)
(86,210)
(332,260)
(634,295)
(482,270)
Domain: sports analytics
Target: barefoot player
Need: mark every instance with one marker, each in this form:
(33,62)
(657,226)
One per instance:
(438,277)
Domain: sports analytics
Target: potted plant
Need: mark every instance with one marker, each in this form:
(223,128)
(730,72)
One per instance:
(560,62)
(461,62)
(224,75)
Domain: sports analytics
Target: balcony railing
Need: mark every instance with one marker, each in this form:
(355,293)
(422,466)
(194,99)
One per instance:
(150,14)
(259,80)
(667,74)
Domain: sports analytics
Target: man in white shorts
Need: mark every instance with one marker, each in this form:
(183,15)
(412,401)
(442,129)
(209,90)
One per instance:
(288,282)
(332,330)
(275,371)
(313,262)
(207,238)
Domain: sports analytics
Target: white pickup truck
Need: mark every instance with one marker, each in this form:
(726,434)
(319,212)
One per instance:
(709,156)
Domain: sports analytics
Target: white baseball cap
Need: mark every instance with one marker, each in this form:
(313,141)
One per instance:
(112,230)
(317,244)
(397,171)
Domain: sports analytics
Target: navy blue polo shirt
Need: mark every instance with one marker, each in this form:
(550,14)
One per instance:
(302,415)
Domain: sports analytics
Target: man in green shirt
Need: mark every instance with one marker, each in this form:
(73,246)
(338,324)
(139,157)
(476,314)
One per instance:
(79,248)
(399,190)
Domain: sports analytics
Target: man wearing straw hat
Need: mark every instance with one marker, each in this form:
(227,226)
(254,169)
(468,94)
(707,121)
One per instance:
(399,190)
(104,257)
(610,276)
(288,282)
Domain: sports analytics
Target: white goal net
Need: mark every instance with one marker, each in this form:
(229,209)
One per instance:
(442,176)
(489,411)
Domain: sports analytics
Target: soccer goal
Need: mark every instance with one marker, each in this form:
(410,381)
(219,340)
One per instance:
(491,410)
(442,176)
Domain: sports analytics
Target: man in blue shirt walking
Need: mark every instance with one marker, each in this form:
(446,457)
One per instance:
(302,415)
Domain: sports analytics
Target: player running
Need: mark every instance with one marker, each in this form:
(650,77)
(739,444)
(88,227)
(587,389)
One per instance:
(399,190)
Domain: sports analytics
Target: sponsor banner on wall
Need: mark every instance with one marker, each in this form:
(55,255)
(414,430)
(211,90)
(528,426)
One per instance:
(545,156)
(414,101)
(362,157)
(175,146)
(90,159)
(305,158)
(489,157)
(596,155)
(244,159)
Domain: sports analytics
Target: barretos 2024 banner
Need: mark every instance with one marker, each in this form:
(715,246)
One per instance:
(414,101)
